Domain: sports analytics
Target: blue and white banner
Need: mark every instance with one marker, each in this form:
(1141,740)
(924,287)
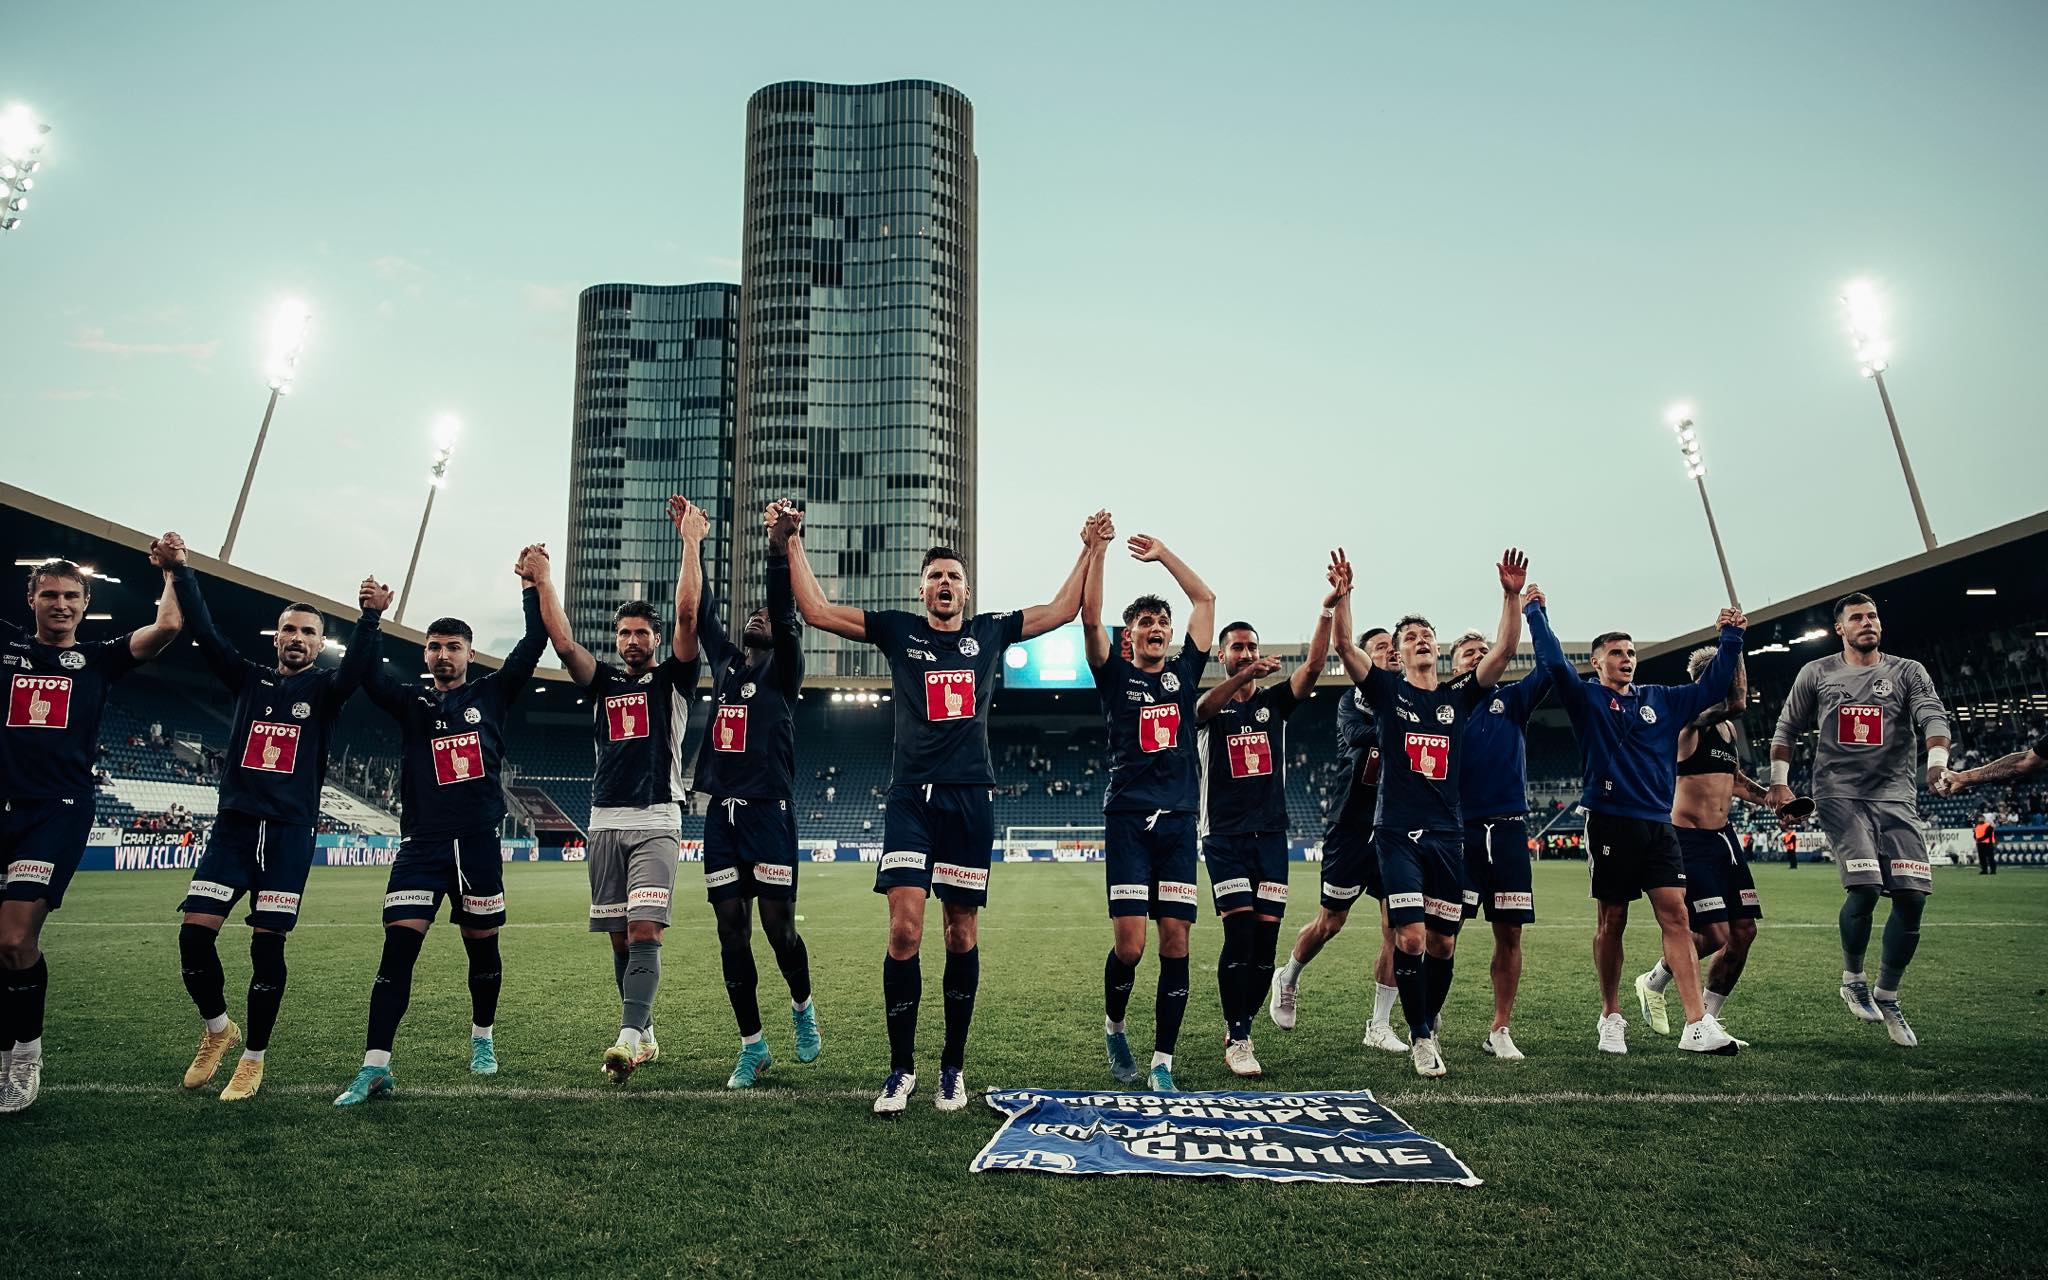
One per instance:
(1279,1137)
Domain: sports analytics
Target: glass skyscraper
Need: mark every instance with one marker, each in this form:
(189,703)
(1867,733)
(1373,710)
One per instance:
(857,342)
(656,367)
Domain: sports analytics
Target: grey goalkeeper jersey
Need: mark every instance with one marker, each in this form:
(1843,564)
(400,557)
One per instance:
(1870,719)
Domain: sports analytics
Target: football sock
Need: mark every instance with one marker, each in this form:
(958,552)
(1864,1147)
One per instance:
(1659,977)
(1715,999)
(266,988)
(27,991)
(791,956)
(1171,1005)
(1290,972)
(1117,980)
(962,979)
(1854,922)
(392,991)
(902,988)
(1265,946)
(1383,998)
(1436,970)
(742,981)
(199,965)
(486,976)
(619,968)
(643,977)
(1414,989)
(1901,938)
(1231,964)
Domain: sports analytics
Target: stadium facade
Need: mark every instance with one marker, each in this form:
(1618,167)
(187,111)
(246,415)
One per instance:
(857,347)
(655,414)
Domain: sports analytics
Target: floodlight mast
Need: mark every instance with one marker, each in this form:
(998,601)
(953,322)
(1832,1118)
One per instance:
(1680,420)
(1864,307)
(287,342)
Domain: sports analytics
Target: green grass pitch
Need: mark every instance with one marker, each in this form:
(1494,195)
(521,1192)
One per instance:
(1824,1150)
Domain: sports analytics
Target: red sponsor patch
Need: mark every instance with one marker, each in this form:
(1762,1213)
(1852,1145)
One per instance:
(729,730)
(1159,727)
(1369,772)
(39,702)
(1251,754)
(1429,754)
(459,757)
(1860,726)
(625,715)
(949,695)
(273,748)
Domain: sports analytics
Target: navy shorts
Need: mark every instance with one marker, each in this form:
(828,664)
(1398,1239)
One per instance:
(937,836)
(1497,870)
(466,868)
(1718,885)
(1630,856)
(1150,864)
(1350,867)
(267,860)
(41,844)
(1424,873)
(1248,871)
(749,850)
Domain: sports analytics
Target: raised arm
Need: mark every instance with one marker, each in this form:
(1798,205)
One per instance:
(1214,701)
(1063,607)
(782,626)
(147,642)
(1095,636)
(1731,707)
(692,525)
(221,657)
(1717,682)
(1549,651)
(1201,600)
(1356,664)
(537,568)
(1302,682)
(366,645)
(839,619)
(1514,575)
(525,655)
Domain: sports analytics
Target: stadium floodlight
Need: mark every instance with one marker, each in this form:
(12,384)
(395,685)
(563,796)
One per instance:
(21,145)
(287,341)
(446,428)
(1679,418)
(1863,305)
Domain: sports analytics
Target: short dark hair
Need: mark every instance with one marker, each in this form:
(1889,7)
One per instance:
(300,606)
(1147,604)
(1239,626)
(452,627)
(942,552)
(1370,632)
(1854,597)
(637,609)
(1411,620)
(1606,638)
(56,567)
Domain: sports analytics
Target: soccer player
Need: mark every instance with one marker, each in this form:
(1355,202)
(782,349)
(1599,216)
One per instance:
(1244,812)
(1419,830)
(939,825)
(747,766)
(638,716)
(1493,795)
(451,801)
(1350,867)
(1721,900)
(1869,707)
(1151,802)
(1628,744)
(262,843)
(57,689)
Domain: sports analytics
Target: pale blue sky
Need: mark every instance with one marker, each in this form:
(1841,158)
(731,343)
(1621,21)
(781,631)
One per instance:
(1260,279)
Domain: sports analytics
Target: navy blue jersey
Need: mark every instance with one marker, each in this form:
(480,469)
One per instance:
(454,740)
(1421,731)
(1495,772)
(944,682)
(1151,718)
(750,742)
(1244,764)
(55,698)
(638,723)
(281,724)
(1358,746)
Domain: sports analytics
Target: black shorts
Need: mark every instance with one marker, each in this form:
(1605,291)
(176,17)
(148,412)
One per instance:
(468,868)
(267,860)
(938,836)
(1149,861)
(749,849)
(1718,885)
(1630,856)
(1424,874)
(1350,867)
(1497,870)
(1248,871)
(41,845)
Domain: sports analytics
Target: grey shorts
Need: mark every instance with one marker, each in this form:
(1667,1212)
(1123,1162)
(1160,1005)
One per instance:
(632,877)
(1877,842)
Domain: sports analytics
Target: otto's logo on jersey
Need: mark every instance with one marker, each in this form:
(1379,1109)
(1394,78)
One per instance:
(1860,726)
(71,660)
(1170,682)
(459,757)
(1429,754)
(949,695)
(729,730)
(39,702)
(625,716)
(1445,714)
(1159,727)
(273,748)
(1251,754)
(969,647)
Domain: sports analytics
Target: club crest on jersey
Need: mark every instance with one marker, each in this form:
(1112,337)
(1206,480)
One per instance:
(272,748)
(729,730)
(39,702)
(949,695)
(301,710)
(1881,687)
(625,716)
(747,689)
(969,646)
(1170,682)
(1497,708)
(1648,713)
(1159,727)
(1263,714)
(1444,714)
(71,660)
(470,715)
(459,757)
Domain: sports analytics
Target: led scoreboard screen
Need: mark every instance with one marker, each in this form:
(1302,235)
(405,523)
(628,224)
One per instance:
(1056,660)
